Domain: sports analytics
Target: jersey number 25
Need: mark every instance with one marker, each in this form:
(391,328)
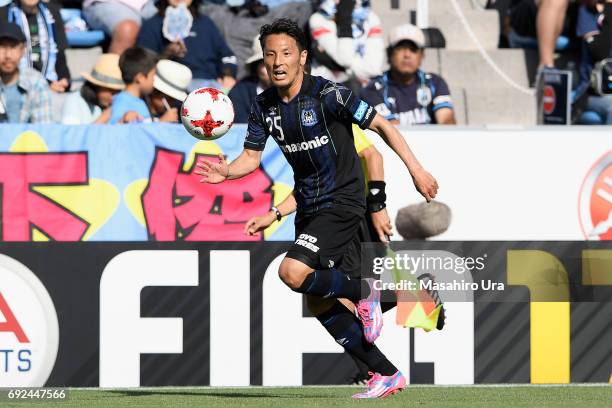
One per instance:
(275,123)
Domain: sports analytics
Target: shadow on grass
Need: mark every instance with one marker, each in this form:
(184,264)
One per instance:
(216,394)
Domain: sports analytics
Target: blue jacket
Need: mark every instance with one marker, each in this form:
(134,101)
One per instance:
(208,55)
(243,95)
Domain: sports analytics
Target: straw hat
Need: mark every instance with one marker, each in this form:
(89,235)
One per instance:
(172,79)
(106,72)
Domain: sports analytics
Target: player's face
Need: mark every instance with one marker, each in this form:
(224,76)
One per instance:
(406,60)
(10,55)
(283,59)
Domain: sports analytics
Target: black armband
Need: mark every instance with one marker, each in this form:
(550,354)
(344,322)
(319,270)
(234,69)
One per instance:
(376,197)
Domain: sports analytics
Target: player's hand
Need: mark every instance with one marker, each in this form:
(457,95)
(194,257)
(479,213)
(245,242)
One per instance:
(382,224)
(256,224)
(425,184)
(212,173)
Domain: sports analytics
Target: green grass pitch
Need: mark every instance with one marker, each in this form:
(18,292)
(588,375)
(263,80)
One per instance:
(309,397)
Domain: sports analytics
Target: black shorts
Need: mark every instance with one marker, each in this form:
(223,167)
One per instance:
(331,238)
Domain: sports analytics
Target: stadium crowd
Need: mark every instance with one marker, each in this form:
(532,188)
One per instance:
(158,51)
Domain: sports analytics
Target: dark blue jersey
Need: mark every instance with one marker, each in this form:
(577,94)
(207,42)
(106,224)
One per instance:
(313,131)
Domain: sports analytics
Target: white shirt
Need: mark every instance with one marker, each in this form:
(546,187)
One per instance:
(76,111)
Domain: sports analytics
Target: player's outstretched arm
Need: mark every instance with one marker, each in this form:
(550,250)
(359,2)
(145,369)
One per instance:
(424,182)
(214,173)
(376,197)
(261,222)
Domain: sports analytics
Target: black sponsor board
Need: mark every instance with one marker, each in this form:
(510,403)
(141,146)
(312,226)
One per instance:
(71,274)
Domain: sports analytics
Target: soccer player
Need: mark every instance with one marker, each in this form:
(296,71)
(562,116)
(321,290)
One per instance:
(310,118)
(376,226)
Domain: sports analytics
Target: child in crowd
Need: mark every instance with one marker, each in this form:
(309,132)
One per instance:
(92,103)
(171,82)
(137,67)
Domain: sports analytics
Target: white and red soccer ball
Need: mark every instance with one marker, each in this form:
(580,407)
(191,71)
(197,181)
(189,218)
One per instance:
(207,113)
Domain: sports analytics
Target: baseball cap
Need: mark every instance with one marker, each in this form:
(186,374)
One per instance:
(407,32)
(12,31)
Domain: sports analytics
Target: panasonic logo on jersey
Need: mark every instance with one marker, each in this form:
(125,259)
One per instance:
(311,144)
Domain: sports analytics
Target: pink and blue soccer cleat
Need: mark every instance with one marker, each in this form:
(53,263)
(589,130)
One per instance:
(380,386)
(369,312)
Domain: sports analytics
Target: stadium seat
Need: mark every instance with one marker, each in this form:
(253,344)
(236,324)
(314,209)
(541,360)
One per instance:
(484,23)
(519,41)
(443,17)
(77,31)
(81,60)
(589,118)
(468,68)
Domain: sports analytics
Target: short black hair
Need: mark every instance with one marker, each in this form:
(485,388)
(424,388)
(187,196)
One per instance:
(283,26)
(134,61)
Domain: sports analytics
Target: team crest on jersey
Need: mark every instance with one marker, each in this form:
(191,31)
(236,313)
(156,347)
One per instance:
(424,96)
(309,117)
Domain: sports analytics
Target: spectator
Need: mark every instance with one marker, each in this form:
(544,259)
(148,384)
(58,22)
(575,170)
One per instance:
(203,49)
(120,19)
(405,95)
(239,25)
(348,44)
(549,25)
(594,27)
(170,90)
(137,67)
(24,93)
(243,94)
(543,19)
(45,39)
(92,103)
